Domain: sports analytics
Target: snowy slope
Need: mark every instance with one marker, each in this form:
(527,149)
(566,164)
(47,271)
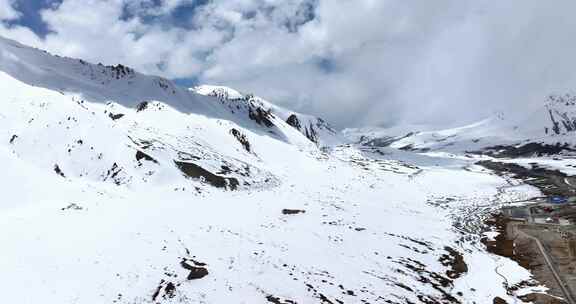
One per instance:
(562,115)
(551,124)
(315,129)
(101,84)
(122,188)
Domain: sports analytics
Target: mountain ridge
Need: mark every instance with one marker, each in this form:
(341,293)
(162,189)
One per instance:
(552,124)
(123,85)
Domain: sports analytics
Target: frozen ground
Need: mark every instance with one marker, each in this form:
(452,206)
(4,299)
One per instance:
(367,235)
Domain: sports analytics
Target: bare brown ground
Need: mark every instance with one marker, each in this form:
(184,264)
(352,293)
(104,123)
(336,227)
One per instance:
(524,251)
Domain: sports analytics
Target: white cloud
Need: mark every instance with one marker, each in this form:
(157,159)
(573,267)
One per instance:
(354,62)
(7,11)
(93,30)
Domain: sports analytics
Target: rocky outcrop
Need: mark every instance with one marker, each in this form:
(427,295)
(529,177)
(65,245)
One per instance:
(311,133)
(527,150)
(260,116)
(294,122)
(266,114)
(194,171)
(241,139)
(562,113)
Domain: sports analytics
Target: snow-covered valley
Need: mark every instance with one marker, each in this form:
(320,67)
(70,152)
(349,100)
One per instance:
(123,188)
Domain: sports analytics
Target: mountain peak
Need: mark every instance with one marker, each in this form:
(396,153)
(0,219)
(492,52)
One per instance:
(123,85)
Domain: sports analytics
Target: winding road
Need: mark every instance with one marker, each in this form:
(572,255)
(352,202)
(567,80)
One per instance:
(563,286)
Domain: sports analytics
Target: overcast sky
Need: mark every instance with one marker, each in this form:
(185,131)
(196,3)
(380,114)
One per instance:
(354,62)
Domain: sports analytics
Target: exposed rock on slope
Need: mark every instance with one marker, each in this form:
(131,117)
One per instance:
(262,112)
(562,111)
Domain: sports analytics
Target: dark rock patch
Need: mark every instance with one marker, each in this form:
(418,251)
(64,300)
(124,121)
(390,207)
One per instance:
(277,300)
(13,138)
(195,262)
(292,211)
(415,249)
(323,298)
(260,116)
(156,292)
(224,170)
(115,116)
(165,290)
(311,134)
(120,71)
(142,106)
(499,300)
(427,246)
(72,206)
(404,287)
(411,148)
(187,156)
(195,271)
(194,171)
(143,156)
(437,281)
(113,174)
(455,261)
(527,150)
(170,289)
(294,122)
(241,138)
(58,171)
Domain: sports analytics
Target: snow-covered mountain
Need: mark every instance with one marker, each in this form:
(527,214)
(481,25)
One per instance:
(124,86)
(562,110)
(548,129)
(118,187)
(315,129)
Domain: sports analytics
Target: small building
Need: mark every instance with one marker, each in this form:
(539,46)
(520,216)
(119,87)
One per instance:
(557,199)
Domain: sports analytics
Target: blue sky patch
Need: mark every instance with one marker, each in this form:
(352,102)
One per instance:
(30,15)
